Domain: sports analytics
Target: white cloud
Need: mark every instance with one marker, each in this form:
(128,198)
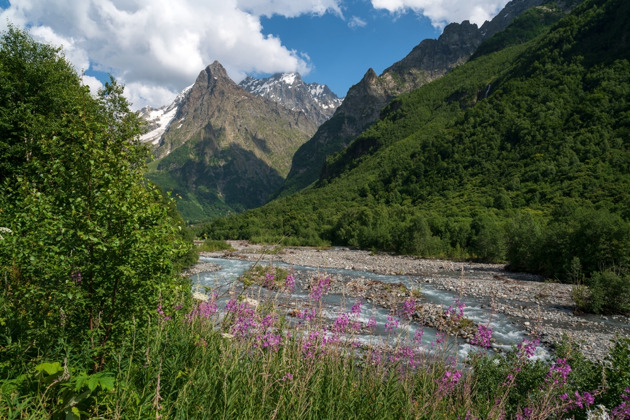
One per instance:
(93,83)
(158,47)
(356,22)
(289,8)
(441,12)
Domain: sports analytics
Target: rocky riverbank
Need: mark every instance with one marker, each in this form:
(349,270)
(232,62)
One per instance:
(544,309)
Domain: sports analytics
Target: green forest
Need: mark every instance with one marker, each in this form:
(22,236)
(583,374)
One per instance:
(520,155)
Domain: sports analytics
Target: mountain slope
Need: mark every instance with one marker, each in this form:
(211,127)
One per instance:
(428,61)
(520,155)
(317,101)
(226,150)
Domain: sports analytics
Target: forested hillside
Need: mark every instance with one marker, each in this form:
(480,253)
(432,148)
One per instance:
(521,155)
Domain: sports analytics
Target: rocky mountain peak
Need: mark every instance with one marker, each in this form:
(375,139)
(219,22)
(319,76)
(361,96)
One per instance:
(212,76)
(216,70)
(317,101)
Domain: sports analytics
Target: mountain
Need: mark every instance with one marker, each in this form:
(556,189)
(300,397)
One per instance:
(317,101)
(225,150)
(520,155)
(364,101)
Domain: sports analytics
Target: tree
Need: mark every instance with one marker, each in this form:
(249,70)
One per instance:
(92,248)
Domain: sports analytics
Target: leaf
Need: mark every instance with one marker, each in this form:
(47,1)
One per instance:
(107,383)
(72,414)
(93,382)
(49,368)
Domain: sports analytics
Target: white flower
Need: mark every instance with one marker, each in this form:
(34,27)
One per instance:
(4,230)
(598,413)
(200,296)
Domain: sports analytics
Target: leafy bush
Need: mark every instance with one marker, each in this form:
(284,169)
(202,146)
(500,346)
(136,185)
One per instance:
(93,248)
(210,245)
(609,292)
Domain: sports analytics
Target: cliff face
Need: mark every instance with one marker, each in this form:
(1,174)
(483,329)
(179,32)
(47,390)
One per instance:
(429,60)
(226,150)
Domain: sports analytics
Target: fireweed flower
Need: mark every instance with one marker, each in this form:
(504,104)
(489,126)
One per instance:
(440,337)
(527,413)
(527,348)
(456,312)
(375,358)
(372,323)
(558,372)
(244,319)
(231,306)
(341,323)
(582,401)
(161,314)
(622,411)
(449,380)
(417,337)
(482,337)
(269,280)
(269,340)
(585,400)
(268,321)
(391,324)
(323,284)
(409,307)
(288,377)
(356,308)
(307,315)
(404,354)
(289,283)
(309,344)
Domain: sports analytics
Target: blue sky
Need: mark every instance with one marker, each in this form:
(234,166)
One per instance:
(158,47)
(340,55)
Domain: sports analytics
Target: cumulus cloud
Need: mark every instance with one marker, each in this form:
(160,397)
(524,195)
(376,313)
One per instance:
(441,12)
(93,83)
(356,22)
(157,47)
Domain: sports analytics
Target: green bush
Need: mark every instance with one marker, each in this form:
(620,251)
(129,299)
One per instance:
(609,292)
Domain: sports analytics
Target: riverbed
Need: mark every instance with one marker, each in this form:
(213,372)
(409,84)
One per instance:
(515,305)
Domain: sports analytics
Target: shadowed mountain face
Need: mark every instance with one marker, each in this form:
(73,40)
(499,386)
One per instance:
(429,60)
(226,150)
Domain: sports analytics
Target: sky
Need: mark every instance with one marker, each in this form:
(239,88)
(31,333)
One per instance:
(156,48)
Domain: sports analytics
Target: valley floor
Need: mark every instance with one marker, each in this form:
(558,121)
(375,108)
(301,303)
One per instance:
(543,309)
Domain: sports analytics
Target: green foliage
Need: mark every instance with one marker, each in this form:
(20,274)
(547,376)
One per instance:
(93,248)
(609,292)
(617,371)
(60,391)
(210,245)
(491,383)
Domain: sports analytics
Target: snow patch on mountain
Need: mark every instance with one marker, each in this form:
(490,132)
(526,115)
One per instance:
(289,78)
(158,120)
(317,101)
